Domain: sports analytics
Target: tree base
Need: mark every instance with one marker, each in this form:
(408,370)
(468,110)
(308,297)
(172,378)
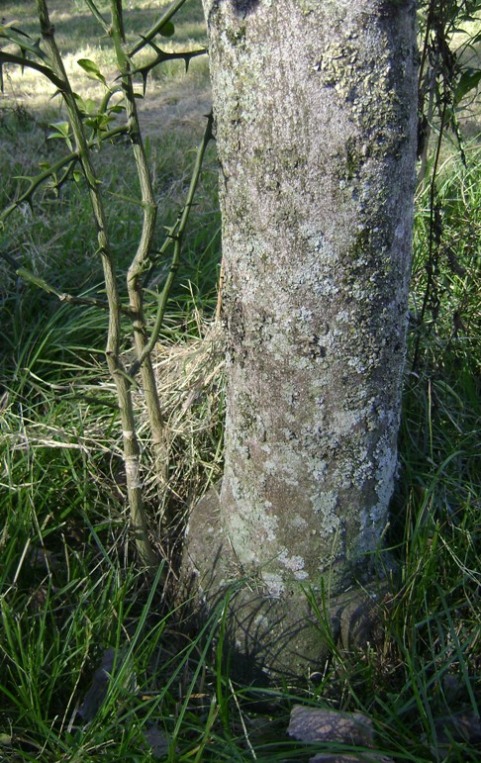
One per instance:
(267,638)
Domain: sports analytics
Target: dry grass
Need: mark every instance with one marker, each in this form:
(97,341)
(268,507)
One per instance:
(190,382)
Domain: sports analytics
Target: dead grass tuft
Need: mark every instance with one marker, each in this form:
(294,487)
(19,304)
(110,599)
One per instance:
(190,382)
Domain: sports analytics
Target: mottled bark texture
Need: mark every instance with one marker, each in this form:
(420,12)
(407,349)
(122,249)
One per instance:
(315,110)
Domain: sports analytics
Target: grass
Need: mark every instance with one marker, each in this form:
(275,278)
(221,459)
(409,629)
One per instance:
(79,36)
(69,587)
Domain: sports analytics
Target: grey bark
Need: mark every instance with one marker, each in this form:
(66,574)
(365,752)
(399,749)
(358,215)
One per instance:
(315,110)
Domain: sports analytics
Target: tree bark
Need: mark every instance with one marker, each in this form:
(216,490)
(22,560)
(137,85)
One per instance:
(315,111)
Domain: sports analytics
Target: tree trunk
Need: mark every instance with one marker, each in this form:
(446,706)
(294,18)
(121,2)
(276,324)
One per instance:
(315,111)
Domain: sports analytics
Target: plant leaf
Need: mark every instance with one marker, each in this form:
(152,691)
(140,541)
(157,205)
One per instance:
(167,30)
(468,81)
(92,69)
(61,130)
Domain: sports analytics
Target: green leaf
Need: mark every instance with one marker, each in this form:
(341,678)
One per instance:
(92,69)
(61,129)
(99,122)
(36,281)
(468,81)
(87,106)
(167,30)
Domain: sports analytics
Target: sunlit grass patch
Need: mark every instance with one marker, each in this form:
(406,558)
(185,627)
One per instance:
(79,36)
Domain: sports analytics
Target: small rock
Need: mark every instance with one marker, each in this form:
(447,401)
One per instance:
(459,727)
(309,724)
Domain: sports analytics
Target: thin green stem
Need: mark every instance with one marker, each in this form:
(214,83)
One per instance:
(40,283)
(97,15)
(155,29)
(141,259)
(176,234)
(121,380)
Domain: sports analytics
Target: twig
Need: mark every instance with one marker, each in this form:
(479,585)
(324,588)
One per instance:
(175,235)
(121,379)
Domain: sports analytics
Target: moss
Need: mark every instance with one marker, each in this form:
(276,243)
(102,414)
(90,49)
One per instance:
(354,159)
(308,6)
(236,35)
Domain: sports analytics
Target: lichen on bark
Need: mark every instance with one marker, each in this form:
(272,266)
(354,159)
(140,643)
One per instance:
(315,122)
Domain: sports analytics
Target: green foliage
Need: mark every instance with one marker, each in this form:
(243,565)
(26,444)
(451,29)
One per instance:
(68,586)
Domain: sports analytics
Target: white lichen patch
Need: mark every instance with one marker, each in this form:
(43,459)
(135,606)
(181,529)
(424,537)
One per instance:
(270,526)
(345,422)
(291,563)
(324,505)
(357,364)
(284,464)
(319,470)
(364,469)
(274,584)
(386,455)
(299,523)
(251,529)
(304,314)
(343,316)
